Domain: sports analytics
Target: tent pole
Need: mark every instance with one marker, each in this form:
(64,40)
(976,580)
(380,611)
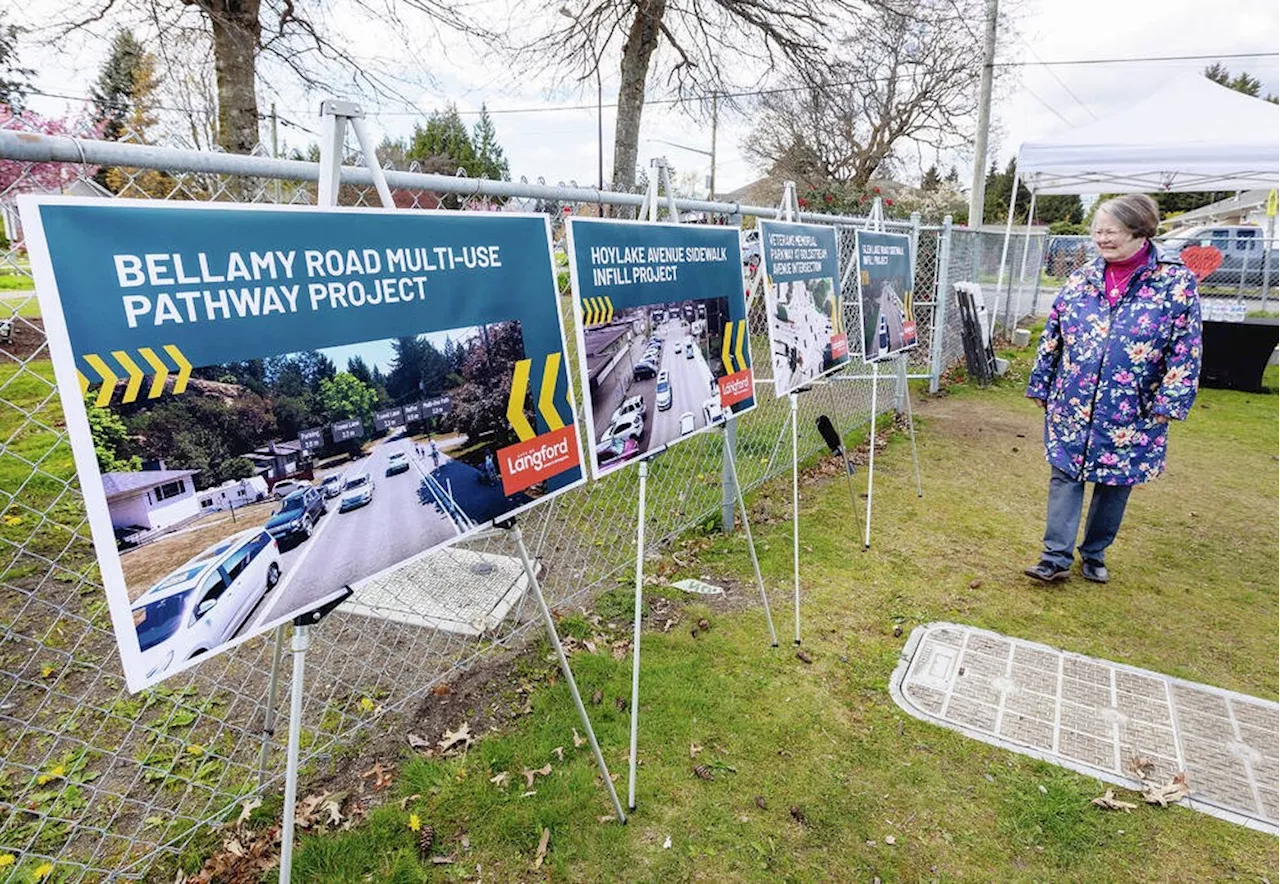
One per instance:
(1004,252)
(1010,320)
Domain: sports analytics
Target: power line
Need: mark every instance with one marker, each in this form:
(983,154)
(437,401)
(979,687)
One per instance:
(1070,61)
(1059,80)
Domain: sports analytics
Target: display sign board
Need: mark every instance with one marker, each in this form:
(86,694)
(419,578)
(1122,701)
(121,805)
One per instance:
(387,418)
(662,334)
(805,308)
(191,337)
(885,311)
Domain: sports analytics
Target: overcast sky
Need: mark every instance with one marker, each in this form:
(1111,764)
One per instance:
(558,141)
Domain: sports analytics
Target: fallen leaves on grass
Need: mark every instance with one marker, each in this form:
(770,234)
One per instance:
(417,742)
(247,807)
(578,741)
(383,775)
(694,749)
(1170,793)
(1142,767)
(324,809)
(597,698)
(797,814)
(452,740)
(542,848)
(558,751)
(803,656)
(500,779)
(544,771)
(1109,801)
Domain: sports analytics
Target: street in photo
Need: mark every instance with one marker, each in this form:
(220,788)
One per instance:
(662,335)
(804,304)
(275,412)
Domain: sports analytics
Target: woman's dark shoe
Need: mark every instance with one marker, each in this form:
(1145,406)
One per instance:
(1094,571)
(1046,572)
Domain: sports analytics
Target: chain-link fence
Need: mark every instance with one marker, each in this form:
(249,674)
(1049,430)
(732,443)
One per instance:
(97,783)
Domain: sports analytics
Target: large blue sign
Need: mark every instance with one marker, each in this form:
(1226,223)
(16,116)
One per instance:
(222,337)
(662,339)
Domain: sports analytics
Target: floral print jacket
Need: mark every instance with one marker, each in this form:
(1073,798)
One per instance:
(1106,372)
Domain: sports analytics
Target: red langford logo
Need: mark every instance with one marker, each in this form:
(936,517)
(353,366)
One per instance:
(528,463)
(839,346)
(735,388)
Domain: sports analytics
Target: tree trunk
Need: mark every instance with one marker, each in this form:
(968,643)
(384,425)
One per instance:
(236,34)
(642,40)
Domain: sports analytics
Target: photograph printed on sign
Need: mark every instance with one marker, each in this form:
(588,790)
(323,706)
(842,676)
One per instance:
(886,313)
(662,334)
(803,302)
(245,451)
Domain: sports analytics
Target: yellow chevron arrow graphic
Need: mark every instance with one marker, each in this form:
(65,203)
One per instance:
(84,383)
(135,375)
(161,371)
(742,334)
(595,311)
(108,379)
(725,355)
(184,368)
(608,306)
(515,403)
(546,403)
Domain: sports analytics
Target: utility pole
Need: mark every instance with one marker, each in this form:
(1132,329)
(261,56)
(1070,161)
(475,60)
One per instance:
(715,117)
(977,194)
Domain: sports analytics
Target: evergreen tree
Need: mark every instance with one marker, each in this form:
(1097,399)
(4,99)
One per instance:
(1241,82)
(443,145)
(489,155)
(359,369)
(931,180)
(114,91)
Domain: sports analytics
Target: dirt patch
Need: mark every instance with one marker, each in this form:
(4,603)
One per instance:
(26,338)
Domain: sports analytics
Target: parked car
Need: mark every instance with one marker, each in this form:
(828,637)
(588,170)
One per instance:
(298,514)
(397,463)
(632,404)
(1244,250)
(204,603)
(331,486)
(690,350)
(687,423)
(631,427)
(356,492)
(618,449)
(664,390)
(644,371)
(285,487)
(712,411)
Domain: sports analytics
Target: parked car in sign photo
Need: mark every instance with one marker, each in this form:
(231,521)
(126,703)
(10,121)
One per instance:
(712,410)
(356,492)
(285,487)
(298,514)
(631,426)
(644,371)
(628,406)
(664,390)
(204,603)
(687,423)
(620,448)
(331,486)
(397,463)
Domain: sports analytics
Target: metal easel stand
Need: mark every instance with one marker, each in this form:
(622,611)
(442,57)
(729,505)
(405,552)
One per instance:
(658,180)
(795,504)
(531,575)
(301,643)
(635,639)
(871,454)
(269,719)
(905,397)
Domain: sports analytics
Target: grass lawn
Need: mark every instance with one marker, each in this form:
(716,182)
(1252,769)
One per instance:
(816,774)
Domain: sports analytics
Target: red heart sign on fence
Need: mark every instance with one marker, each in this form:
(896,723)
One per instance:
(1201,260)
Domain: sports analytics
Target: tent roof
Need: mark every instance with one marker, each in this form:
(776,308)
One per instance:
(1191,135)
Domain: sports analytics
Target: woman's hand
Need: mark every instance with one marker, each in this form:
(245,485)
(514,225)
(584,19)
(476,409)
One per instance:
(1044,405)
(1161,418)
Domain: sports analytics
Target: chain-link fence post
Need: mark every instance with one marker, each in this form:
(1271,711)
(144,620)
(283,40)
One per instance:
(728,485)
(940,299)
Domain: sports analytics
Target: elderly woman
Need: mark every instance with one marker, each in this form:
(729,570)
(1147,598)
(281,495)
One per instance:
(1119,358)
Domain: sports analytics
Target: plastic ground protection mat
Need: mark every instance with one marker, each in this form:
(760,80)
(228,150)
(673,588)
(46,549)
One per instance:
(1094,716)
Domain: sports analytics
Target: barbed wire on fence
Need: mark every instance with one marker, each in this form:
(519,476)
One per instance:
(101,783)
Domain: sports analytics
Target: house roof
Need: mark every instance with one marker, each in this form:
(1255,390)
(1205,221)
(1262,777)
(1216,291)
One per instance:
(1240,202)
(122,484)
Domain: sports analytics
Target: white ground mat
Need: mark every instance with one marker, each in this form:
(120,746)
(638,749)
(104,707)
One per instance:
(1095,716)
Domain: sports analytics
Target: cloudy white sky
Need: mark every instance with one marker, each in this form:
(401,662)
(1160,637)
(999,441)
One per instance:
(557,141)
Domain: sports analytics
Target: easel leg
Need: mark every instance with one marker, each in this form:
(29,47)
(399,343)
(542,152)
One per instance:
(269,718)
(751,547)
(871,456)
(911,428)
(301,642)
(635,639)
(532,575)
(795,505)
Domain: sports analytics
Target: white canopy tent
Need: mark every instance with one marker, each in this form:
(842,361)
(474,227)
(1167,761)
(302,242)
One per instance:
(1191,135)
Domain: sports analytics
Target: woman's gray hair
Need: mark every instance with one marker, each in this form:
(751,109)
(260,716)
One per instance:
(1136,211)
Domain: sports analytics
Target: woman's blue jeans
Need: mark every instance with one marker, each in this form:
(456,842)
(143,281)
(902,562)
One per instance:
(1066,501)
